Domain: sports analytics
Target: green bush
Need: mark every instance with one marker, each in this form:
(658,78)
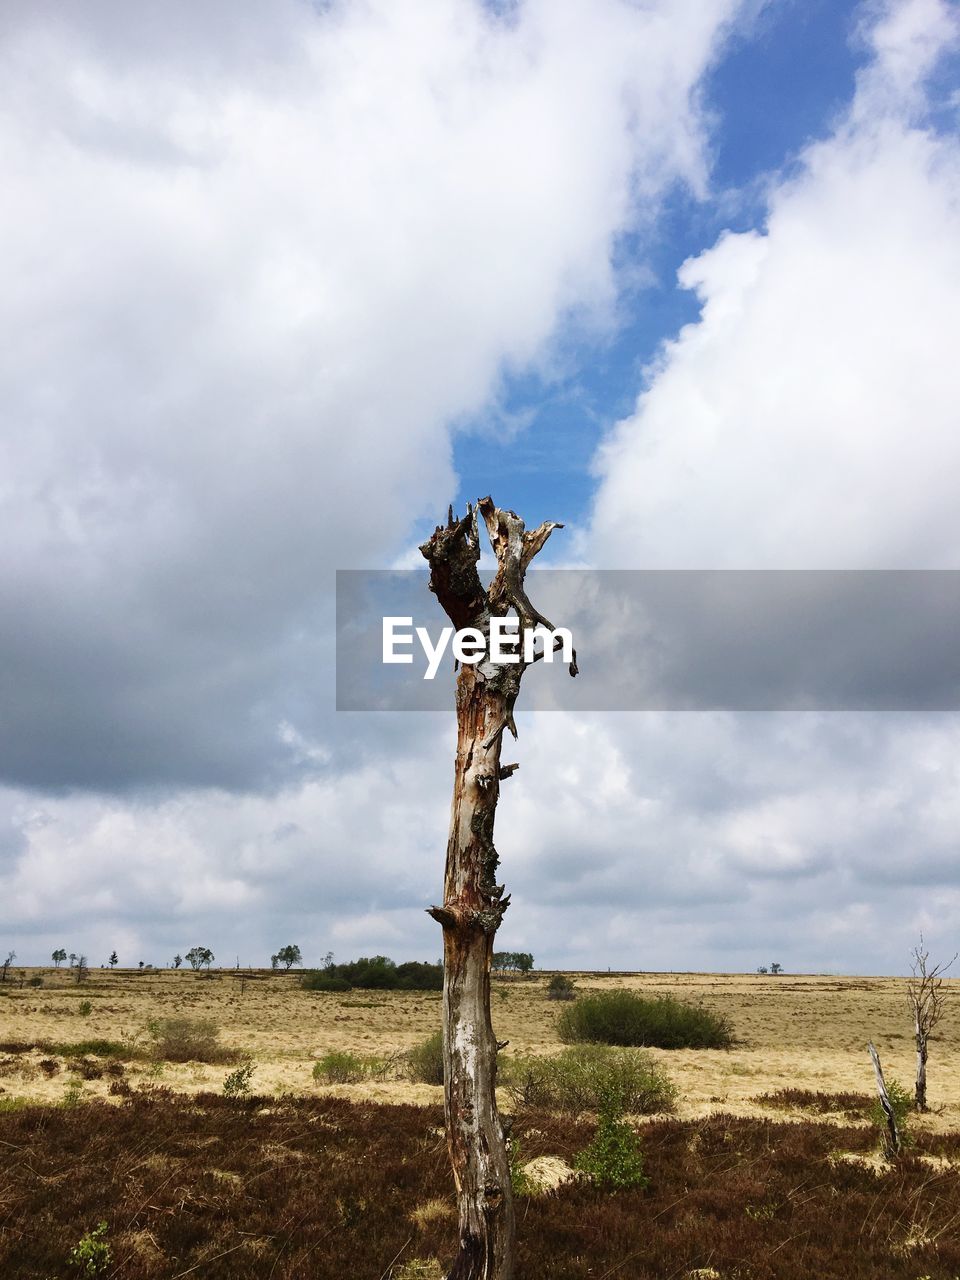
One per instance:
(583,1079)
(189,1040)
(84,1008)
(318,980)
(97,1046)
(613,1159)
(425,1060)
(237,1083)
(626,1018)
(375,973)
(91,1254)
(560,987)
(901,1099)
(340,1067)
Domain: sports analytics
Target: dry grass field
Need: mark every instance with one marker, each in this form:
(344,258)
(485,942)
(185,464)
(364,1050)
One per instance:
(295,1180)
(807,1032)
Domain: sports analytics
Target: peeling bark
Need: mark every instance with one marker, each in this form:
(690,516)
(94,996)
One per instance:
(892,1137)
(473,902)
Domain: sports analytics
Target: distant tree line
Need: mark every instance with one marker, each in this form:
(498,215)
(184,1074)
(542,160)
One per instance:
(375,973)
(515,961)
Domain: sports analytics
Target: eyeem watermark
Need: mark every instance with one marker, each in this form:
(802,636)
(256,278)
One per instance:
(660,640)
(470,645)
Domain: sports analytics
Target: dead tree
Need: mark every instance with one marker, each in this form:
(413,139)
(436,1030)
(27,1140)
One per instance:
(473,901)
(925,996)
(891,1141)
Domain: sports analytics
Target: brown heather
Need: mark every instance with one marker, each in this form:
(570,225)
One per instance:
(324,1188)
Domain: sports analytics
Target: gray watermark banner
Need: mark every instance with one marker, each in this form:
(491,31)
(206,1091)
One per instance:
(664,640)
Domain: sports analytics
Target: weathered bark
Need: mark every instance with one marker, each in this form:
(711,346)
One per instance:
(920,1088)
(473,902)
(892,1140)
(925,996)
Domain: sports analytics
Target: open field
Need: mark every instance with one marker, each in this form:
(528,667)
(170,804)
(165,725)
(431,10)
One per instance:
(799,1031)
(299,1180)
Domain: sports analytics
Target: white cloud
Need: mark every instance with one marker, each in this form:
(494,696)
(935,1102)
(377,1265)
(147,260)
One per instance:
(261,261)
(808,418)
(256,261)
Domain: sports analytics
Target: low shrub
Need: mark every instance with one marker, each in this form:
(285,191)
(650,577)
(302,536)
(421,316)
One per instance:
(901,1099)
(189,1040)
(626,1018)
(91,1255)
(87,1068)
(341,1067)
(318,980)
(375,973)
(560,987)
(584,1078)
(237,1083)
(613,1159)
(96,1047)
(425,1060)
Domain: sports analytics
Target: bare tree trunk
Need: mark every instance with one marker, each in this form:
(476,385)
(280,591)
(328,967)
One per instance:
(925,995)
(473,902)
(892,1142)
(920,1089)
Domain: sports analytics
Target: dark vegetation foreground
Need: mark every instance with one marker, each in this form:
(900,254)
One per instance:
(313,1188)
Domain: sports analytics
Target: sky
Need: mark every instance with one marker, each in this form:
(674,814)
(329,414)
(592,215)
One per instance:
(282,282)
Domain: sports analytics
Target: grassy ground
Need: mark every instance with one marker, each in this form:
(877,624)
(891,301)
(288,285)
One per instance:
(303,1180)
(808,1032)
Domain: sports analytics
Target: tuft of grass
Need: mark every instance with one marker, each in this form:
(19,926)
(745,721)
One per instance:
(626,1018)
(425,1060)
(581,1079)
(190,1040)
(419,1269)
(86,1068)
(434,1210)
